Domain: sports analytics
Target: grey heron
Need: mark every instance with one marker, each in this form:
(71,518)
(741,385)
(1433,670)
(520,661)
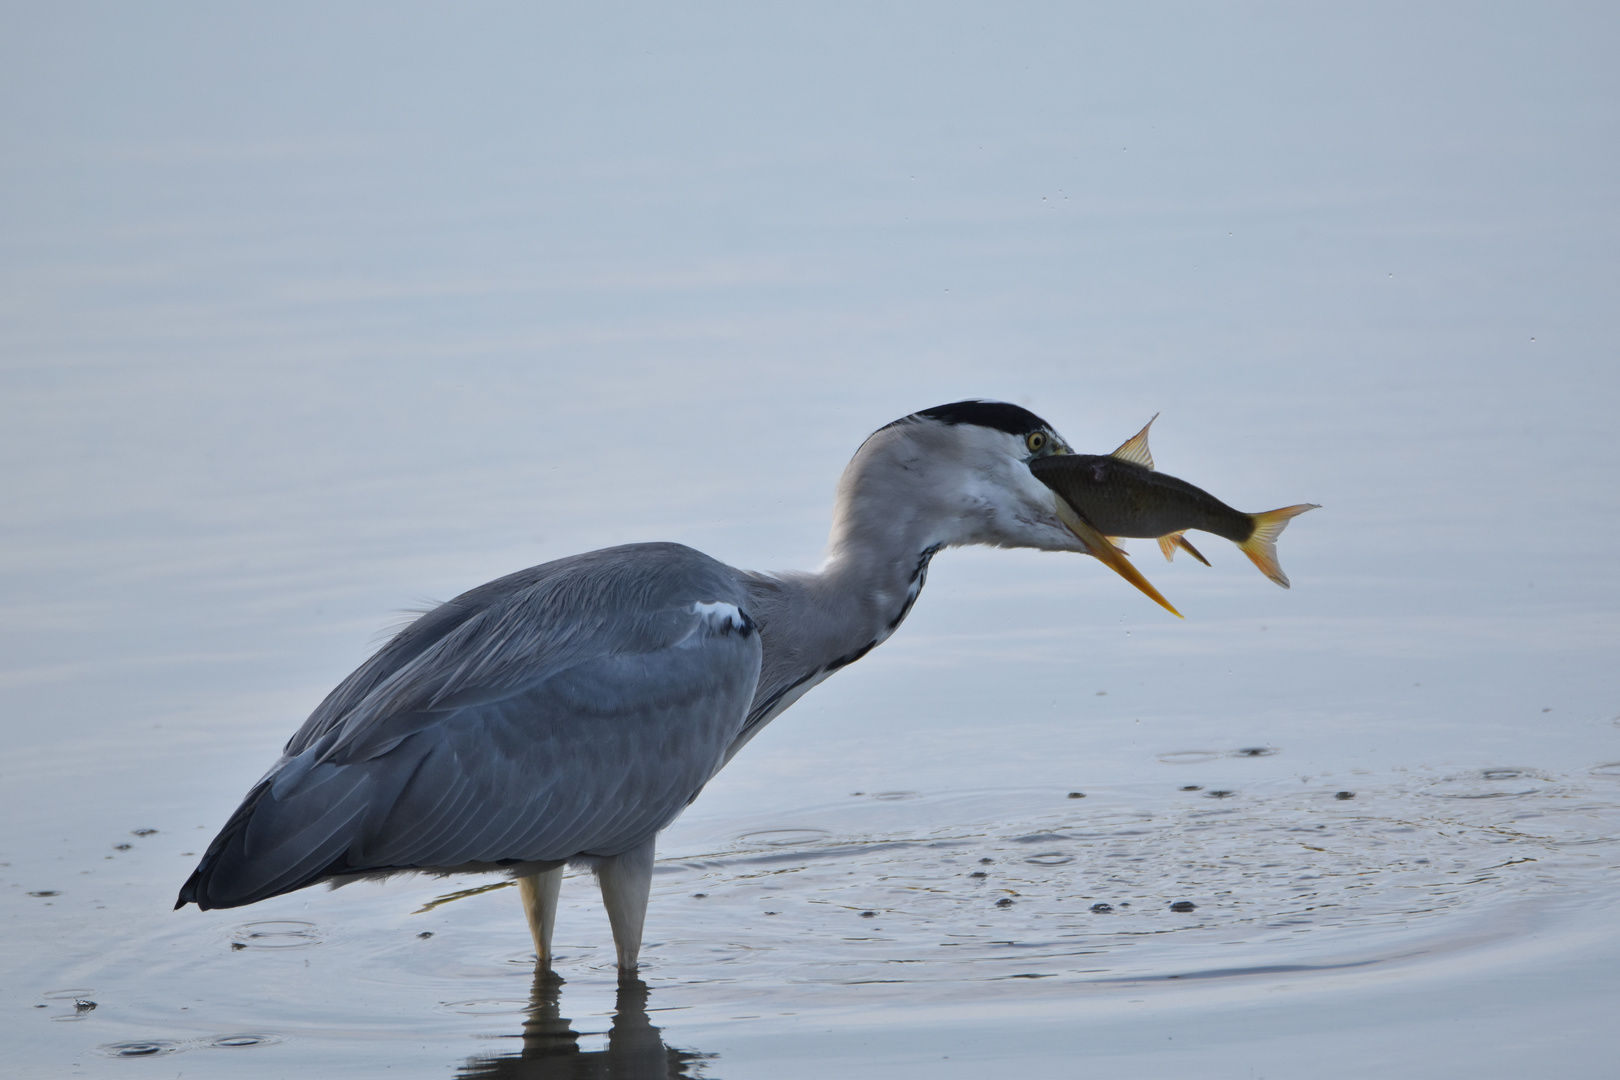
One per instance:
(567,713)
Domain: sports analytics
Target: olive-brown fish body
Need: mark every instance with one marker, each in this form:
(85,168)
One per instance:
(1120,498)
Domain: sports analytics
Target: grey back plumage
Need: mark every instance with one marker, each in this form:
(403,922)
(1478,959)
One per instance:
(570,709)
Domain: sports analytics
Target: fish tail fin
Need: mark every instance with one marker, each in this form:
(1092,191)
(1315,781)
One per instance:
(1261,546)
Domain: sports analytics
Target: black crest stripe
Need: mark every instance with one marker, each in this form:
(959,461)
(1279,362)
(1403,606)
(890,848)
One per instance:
(1000,415)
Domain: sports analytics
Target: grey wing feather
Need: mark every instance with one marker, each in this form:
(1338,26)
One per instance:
(573,708)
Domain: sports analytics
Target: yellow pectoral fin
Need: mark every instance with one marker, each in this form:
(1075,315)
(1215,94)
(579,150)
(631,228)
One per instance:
(1181,541)
(1170,541)
(1098,545)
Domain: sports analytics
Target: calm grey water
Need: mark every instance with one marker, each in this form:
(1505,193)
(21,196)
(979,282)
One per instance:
(308,315)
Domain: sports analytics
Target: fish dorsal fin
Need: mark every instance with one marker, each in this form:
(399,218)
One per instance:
(1135,449)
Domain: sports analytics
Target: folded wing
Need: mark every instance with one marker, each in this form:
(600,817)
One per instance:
(571,709)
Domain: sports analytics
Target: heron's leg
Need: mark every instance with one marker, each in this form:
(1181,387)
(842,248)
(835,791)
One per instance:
(626,882)
(539,892)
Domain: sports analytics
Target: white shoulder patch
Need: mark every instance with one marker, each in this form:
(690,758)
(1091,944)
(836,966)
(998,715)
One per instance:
(721,616)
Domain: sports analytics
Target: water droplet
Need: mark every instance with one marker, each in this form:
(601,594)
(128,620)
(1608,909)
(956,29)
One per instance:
(1005,901)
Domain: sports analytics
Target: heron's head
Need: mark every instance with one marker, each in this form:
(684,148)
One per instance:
(960,474)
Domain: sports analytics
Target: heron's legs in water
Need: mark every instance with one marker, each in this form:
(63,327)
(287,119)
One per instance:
(626,882)
(539,892)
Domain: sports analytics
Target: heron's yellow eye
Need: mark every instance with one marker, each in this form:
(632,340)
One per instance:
(1035,440)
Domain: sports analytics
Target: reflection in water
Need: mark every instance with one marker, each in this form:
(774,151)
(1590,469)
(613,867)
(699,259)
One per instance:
(635,1050)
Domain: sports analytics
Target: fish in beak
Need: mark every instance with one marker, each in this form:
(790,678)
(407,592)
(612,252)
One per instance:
(1104,496)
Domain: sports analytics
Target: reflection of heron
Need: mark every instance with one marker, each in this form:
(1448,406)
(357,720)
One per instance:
(570,711)
(635,1051)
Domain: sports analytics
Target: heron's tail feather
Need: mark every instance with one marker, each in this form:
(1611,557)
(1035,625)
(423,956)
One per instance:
(273,845)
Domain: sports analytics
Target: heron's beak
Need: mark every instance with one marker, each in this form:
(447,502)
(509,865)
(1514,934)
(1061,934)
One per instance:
(1112,557)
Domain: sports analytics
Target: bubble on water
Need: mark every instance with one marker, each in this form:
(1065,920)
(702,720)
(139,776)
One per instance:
(276,934)
(1103,909)
(1344,795)
(243,1040)
(1495,783)
(1050,858)
(783,837)
(1220,794)
(1183,905)
(143,832)
(486,1007)
(1188,757)
(1255,751)
(142,1048)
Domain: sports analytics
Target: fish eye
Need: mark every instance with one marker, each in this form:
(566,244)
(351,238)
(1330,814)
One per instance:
(1036,441)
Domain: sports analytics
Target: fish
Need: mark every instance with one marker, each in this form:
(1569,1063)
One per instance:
(1104,497)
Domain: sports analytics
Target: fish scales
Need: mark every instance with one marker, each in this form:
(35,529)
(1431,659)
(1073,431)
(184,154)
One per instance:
(1123,499)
